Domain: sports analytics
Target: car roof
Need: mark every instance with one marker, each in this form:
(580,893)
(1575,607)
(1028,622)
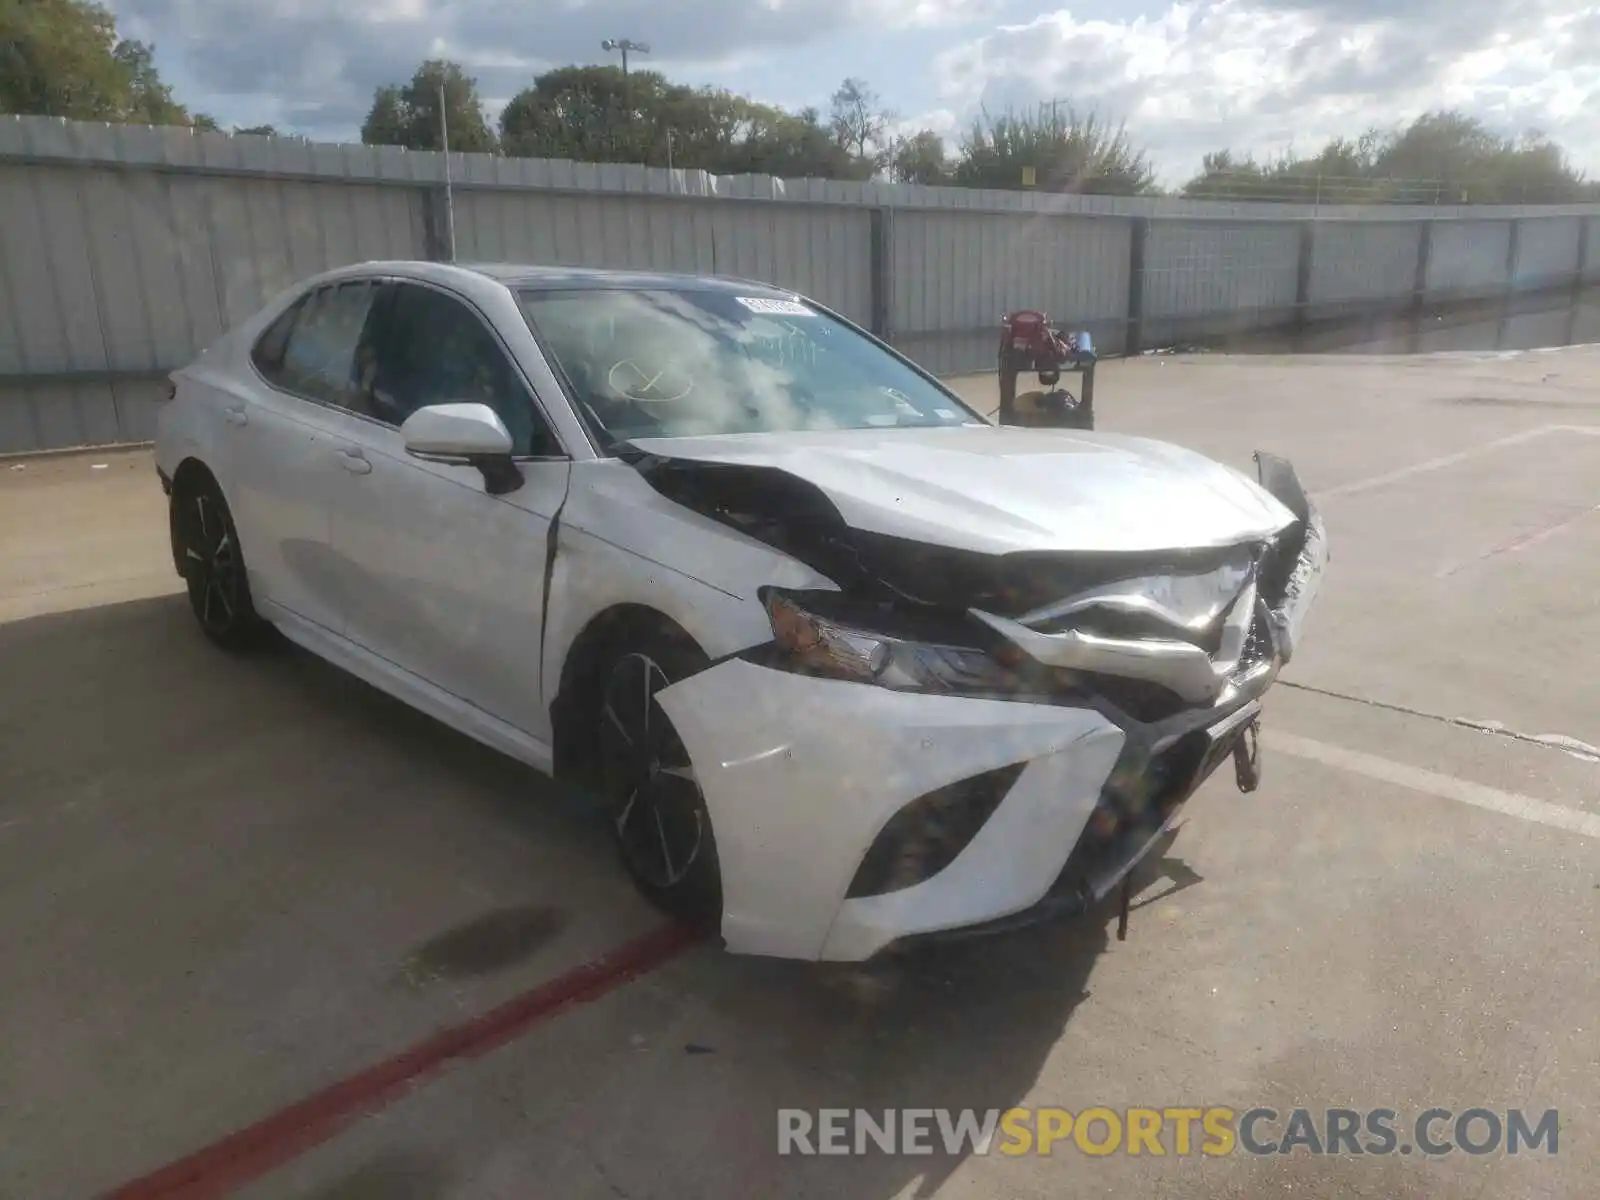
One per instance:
(528,275)
(522,275)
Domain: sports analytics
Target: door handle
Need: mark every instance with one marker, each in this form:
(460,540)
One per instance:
(354,462)
(238,416)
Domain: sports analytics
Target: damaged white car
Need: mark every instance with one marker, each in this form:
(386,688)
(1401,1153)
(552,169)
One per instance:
(847,664)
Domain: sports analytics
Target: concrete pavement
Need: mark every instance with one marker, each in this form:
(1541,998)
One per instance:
(225,885)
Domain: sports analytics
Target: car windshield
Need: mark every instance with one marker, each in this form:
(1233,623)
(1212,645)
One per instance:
(679,363)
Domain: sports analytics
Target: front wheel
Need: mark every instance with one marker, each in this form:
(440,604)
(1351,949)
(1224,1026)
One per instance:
(658,813)
(206,546)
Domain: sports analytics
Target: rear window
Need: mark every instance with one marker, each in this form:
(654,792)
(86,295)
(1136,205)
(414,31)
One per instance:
(271,345)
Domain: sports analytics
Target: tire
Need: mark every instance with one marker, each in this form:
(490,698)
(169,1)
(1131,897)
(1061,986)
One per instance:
(206,545)
(658,814)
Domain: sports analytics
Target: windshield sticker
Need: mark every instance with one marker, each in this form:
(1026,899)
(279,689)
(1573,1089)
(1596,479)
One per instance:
(783,308)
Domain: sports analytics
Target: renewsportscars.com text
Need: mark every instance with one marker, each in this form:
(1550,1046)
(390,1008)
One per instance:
(1199,1130)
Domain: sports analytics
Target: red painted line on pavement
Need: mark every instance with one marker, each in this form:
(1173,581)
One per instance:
(243,1157)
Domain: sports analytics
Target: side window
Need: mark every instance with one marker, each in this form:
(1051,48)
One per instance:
(270,346)
(320,360)
(438,351)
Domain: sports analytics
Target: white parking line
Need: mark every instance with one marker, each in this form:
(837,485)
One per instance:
(1450,460)
(1521,542)
(1446,787)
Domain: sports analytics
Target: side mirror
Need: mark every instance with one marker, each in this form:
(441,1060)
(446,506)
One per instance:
(473,433)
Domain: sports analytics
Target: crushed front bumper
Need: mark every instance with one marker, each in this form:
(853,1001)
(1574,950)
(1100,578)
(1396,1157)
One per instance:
(804,778)
(802,775)
(1098,864)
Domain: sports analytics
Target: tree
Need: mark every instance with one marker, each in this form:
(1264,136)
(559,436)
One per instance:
(62,58)
(1068,153)
(919,158)
(57,59)
(150,101)
(409,116)
(1440,158)
(789,145)
(257,131)
(592,114)
(596,114)
(388,121)
(860,126)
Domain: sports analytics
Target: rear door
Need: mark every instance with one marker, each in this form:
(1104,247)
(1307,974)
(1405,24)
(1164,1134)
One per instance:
(447,581)
(288,469)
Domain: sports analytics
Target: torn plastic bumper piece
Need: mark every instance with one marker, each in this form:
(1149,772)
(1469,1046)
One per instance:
(1302,554)
(1247,757)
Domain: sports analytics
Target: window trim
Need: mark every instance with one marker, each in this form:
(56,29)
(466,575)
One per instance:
(378,281)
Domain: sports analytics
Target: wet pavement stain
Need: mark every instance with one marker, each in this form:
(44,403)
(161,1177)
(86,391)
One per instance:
(400,1175)
(484,945)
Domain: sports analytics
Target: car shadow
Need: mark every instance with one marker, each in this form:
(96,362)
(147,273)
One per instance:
(956,1025)
(101,694)
(137,679)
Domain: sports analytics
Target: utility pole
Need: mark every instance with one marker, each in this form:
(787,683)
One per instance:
(449,189)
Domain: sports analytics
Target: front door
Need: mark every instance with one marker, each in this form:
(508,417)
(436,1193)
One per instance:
(447,581)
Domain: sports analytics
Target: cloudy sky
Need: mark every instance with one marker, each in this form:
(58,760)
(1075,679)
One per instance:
(1255,75)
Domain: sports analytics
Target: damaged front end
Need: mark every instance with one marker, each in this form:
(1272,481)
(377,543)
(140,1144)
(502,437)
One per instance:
(1172,648)
(1216,641)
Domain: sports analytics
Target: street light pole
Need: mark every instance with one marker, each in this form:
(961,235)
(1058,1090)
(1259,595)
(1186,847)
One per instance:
(625,46)
(449,189)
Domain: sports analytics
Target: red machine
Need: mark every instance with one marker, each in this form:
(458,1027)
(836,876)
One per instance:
(1029,343)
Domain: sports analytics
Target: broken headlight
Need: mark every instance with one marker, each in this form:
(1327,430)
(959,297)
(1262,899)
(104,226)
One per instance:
(813,644)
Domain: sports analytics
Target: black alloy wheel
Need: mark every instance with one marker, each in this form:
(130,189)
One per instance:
(207,549)
(658,812)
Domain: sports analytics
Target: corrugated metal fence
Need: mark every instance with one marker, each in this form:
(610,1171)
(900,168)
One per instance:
(125,249)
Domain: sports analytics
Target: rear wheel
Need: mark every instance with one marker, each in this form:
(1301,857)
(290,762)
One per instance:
(206,547)
(658,813)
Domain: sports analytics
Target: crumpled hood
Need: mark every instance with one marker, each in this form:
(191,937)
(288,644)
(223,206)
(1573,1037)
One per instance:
(999,490)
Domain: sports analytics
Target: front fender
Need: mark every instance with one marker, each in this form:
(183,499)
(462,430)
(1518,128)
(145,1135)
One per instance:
(618,542)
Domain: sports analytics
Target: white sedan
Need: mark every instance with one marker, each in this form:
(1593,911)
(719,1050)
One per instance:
(848,664)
